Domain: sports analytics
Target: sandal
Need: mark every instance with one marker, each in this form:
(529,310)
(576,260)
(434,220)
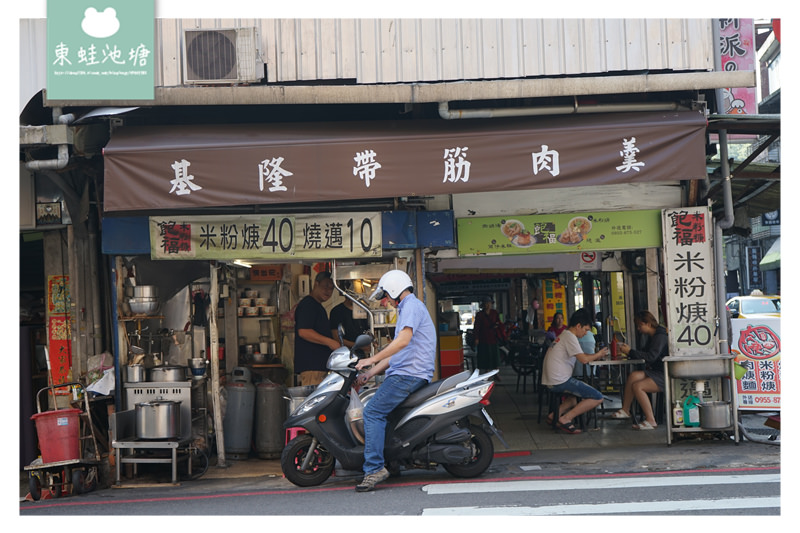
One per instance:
(620,415)
(644,426)
(569,428)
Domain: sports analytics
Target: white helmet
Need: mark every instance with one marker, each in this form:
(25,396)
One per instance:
(392,284)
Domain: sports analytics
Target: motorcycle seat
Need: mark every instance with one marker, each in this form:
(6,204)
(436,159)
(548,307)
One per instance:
(432,389)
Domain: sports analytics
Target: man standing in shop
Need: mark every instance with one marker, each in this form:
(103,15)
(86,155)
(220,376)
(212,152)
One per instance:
(312,341)
(343,314)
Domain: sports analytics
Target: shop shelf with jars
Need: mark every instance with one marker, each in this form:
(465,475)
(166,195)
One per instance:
(258,324)
(357,282)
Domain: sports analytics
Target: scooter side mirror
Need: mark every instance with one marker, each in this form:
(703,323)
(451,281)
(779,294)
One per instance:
(362,340)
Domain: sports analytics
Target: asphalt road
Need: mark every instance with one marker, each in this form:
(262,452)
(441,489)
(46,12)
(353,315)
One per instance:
(508,489)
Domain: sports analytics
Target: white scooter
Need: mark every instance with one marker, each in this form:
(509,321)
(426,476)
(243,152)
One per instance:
(443,423)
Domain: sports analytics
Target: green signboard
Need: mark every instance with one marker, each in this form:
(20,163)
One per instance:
(559,233)
(100,51)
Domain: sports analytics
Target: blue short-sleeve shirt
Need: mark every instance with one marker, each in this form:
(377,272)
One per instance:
(418,359)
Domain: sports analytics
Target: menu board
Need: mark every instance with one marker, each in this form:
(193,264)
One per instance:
(229,237)
(554,233)
(689,281)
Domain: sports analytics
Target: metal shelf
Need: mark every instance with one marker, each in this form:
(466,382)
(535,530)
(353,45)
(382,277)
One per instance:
(134,318)
(729,378)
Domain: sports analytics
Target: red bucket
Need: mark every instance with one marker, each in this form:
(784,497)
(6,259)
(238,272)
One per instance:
(59,435)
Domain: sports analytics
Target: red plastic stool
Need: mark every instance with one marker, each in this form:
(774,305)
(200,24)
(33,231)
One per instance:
(293,432)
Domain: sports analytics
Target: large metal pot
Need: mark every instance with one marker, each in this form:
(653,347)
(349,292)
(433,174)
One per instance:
(143,306)
(168,373)
(134,373)
(145,291)
(158,419)
(715,415)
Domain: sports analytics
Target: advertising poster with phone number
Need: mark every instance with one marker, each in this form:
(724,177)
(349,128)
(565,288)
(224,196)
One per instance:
(559,233)
(756,345)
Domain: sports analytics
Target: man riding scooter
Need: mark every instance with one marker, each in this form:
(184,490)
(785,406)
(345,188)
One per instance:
(408,362)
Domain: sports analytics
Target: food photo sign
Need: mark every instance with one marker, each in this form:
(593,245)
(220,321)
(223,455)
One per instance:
(756,345)
(564,232)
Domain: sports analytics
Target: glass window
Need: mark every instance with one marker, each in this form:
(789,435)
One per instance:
(774,74)
(760,305)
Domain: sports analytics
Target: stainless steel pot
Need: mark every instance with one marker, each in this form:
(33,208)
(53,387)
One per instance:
(143,306)
(158,419)
(168,373)
(145,291)
(715,415)
(134,373)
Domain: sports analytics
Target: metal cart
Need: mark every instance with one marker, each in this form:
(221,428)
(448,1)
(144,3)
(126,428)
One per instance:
(80,474)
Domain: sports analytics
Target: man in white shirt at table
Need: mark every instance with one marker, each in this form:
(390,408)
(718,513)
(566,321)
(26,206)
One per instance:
(559,364)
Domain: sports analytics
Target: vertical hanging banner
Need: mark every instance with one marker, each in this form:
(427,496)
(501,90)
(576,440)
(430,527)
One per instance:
(757,347)
(59,337)
(617,318)
(689,280)
(737,50)
(100,51)
(555,301)
(754,277)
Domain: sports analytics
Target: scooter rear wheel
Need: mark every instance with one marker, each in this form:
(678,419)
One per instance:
(320,468)
(480,460)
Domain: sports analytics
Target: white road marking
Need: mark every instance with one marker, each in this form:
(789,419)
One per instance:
(595,484)
(612,508)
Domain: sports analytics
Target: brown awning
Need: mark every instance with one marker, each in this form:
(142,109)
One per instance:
(190,166)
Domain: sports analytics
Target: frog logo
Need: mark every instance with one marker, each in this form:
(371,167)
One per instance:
(100,24)
(759,342)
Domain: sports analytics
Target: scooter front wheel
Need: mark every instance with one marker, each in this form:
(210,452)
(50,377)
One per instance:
(483,453)
(319,469)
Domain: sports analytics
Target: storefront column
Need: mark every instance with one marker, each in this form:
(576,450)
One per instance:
(652,270)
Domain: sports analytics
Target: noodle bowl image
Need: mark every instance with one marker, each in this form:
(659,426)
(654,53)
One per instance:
(512,228)
(576,231)
(517,234)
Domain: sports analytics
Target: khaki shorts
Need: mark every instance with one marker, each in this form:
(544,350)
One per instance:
(312,377)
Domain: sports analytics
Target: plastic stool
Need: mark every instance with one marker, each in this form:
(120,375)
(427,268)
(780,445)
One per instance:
(294,432)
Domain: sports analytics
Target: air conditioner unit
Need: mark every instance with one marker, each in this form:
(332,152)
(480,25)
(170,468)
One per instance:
(222,56)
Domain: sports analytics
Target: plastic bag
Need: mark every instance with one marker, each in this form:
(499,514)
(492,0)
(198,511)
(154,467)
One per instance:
(354,416)
(104,385)
(97,364)
(355,411)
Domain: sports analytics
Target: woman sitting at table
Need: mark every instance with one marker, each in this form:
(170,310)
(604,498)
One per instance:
(556,327)
(641,383)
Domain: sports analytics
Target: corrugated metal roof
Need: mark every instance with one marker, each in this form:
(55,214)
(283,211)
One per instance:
(414,50)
